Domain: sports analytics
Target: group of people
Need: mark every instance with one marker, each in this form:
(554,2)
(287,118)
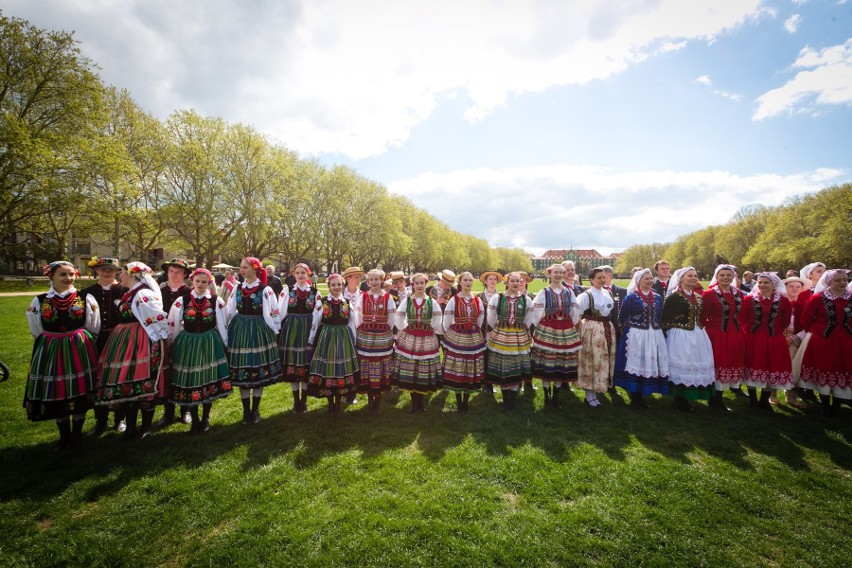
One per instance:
(127,344)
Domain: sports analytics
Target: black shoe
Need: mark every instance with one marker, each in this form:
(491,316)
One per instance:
(76,432)
(554,398)
(247,418)
(547,396)
(738,392)
(64,435)
(763,404)
(98,430)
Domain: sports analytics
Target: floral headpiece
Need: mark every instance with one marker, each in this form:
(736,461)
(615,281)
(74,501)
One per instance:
(138,269)
(259,271)
(49,269)
(103,262)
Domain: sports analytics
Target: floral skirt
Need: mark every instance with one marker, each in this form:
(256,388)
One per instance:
(374,345)
(464,359)
(555,344)
(417,366)
(293,347)
(597,357)
(508,363)
(131,367)
(252,353)
(199,369)
(334,366)
(63,374)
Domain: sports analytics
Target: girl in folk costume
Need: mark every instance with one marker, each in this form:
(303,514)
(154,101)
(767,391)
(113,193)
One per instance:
(528,386)
(296,306)
(374,339)
(252,348)
(417,366)
(464,345)
(177,271)
(131,364)
(555,340)
(720,316)
(765,316)
(510,316)
(824,360)
(795,286)
(489,280)
(692,374)
(64,360)
(597,357)
(334,365)
(198,329)
(642,357)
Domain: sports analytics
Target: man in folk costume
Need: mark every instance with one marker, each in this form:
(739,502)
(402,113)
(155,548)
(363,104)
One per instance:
(398,290)
(177,271)
(107,291)
(570,277)
(663,271)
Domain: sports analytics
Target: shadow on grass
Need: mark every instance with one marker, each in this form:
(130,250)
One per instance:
(35,472)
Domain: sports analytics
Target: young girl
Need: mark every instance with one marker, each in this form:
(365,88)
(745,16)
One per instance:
(417,367)
(464,344)
(489,280)
(555,339)
(296,305)
(641,360)
(334,365)
(198,332)
(509,316)
(131,364)
(252,348)
(374,339)
(64,361)
(597,357)
(765,315)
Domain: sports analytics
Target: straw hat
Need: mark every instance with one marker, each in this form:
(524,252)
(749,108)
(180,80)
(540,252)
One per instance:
(484,276)
(805,282)
(397,275)
(448,277)
(526,276)
(353,271)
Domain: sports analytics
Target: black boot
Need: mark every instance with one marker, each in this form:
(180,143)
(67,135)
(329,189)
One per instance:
(76,432)
(635,397)
(246,410)
(835,406)
(546,396)
(118,422)
(488,387)
(204,427)
(168,415)
(196,421)
(683,404)
(825,399)
(554,398)
(764,400)
(101,419)
(719,402)
(131,413)
(147,420)
(337,400)
(377,401)
(466,403)
(297,401)
(808,395)
(64,435)
(738,392)
(331,408)
(529,387)
(752,398)
(507,402)
(458,402)
(255,409)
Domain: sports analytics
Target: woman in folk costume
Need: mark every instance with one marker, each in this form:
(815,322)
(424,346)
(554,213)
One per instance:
(692,374)
(642,357)
(464,344)
(528,386)
(489,280)
(131,364)
(417,365)
(334,364)
(720,315)
(824,360)
(63,366)
(296,305)
(510,316)
(795,285)
(597,357)
(198,330)
(254,321)
(555,340)
(765,316)
(374,339)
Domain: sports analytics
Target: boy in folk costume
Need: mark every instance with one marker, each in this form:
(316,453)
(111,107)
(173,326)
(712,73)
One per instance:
(177,271)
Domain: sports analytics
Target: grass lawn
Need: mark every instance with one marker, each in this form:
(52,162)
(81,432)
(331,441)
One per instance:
(566,487)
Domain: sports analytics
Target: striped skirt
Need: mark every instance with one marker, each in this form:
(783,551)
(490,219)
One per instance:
(252,353)
(293,347)
(334,365)
(554,351)
(199,369)
(374,345)
(464,358)
(417,365)
(130,367)
(62,375)
(508,356)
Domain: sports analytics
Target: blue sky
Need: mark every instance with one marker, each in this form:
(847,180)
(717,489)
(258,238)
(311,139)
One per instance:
(541,124)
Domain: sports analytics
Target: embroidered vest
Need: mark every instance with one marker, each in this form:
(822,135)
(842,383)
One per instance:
(199,314)
(61,315)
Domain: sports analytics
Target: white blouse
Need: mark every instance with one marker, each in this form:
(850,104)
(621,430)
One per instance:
(603,301)
(437,314)
(176,317)
(93,313)
(450,311)
(271,315)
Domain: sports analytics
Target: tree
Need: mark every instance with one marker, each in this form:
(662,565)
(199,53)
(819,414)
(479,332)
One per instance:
(640,255)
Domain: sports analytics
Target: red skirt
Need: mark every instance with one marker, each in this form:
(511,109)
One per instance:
(828,360)
(729,349)
(767,362)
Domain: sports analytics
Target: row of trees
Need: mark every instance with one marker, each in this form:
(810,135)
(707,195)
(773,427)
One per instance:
(809,228)
(80,159)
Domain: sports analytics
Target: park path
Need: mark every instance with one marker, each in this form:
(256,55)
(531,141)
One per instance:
(9,294)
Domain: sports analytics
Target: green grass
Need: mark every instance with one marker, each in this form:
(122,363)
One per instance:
(575,486)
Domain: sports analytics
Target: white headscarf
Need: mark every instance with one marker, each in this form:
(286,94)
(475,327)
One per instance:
(778,286)
(674,283)
(730,267)
(825,282)
(143,273)
(634,282)
(806,271)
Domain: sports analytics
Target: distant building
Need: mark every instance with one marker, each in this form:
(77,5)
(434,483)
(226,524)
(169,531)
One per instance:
(584,259)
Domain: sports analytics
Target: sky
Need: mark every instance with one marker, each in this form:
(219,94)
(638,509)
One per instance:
(538,124)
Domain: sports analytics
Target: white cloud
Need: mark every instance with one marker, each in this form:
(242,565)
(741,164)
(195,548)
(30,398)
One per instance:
(825,79)
(587,206)
(704,80)
(791,24)
(707,82)
(356,77)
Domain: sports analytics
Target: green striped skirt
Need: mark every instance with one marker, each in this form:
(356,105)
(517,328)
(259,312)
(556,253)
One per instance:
(62,375)
(252,353)
(508,363)
(334,365)
(199,369)
(293,347)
